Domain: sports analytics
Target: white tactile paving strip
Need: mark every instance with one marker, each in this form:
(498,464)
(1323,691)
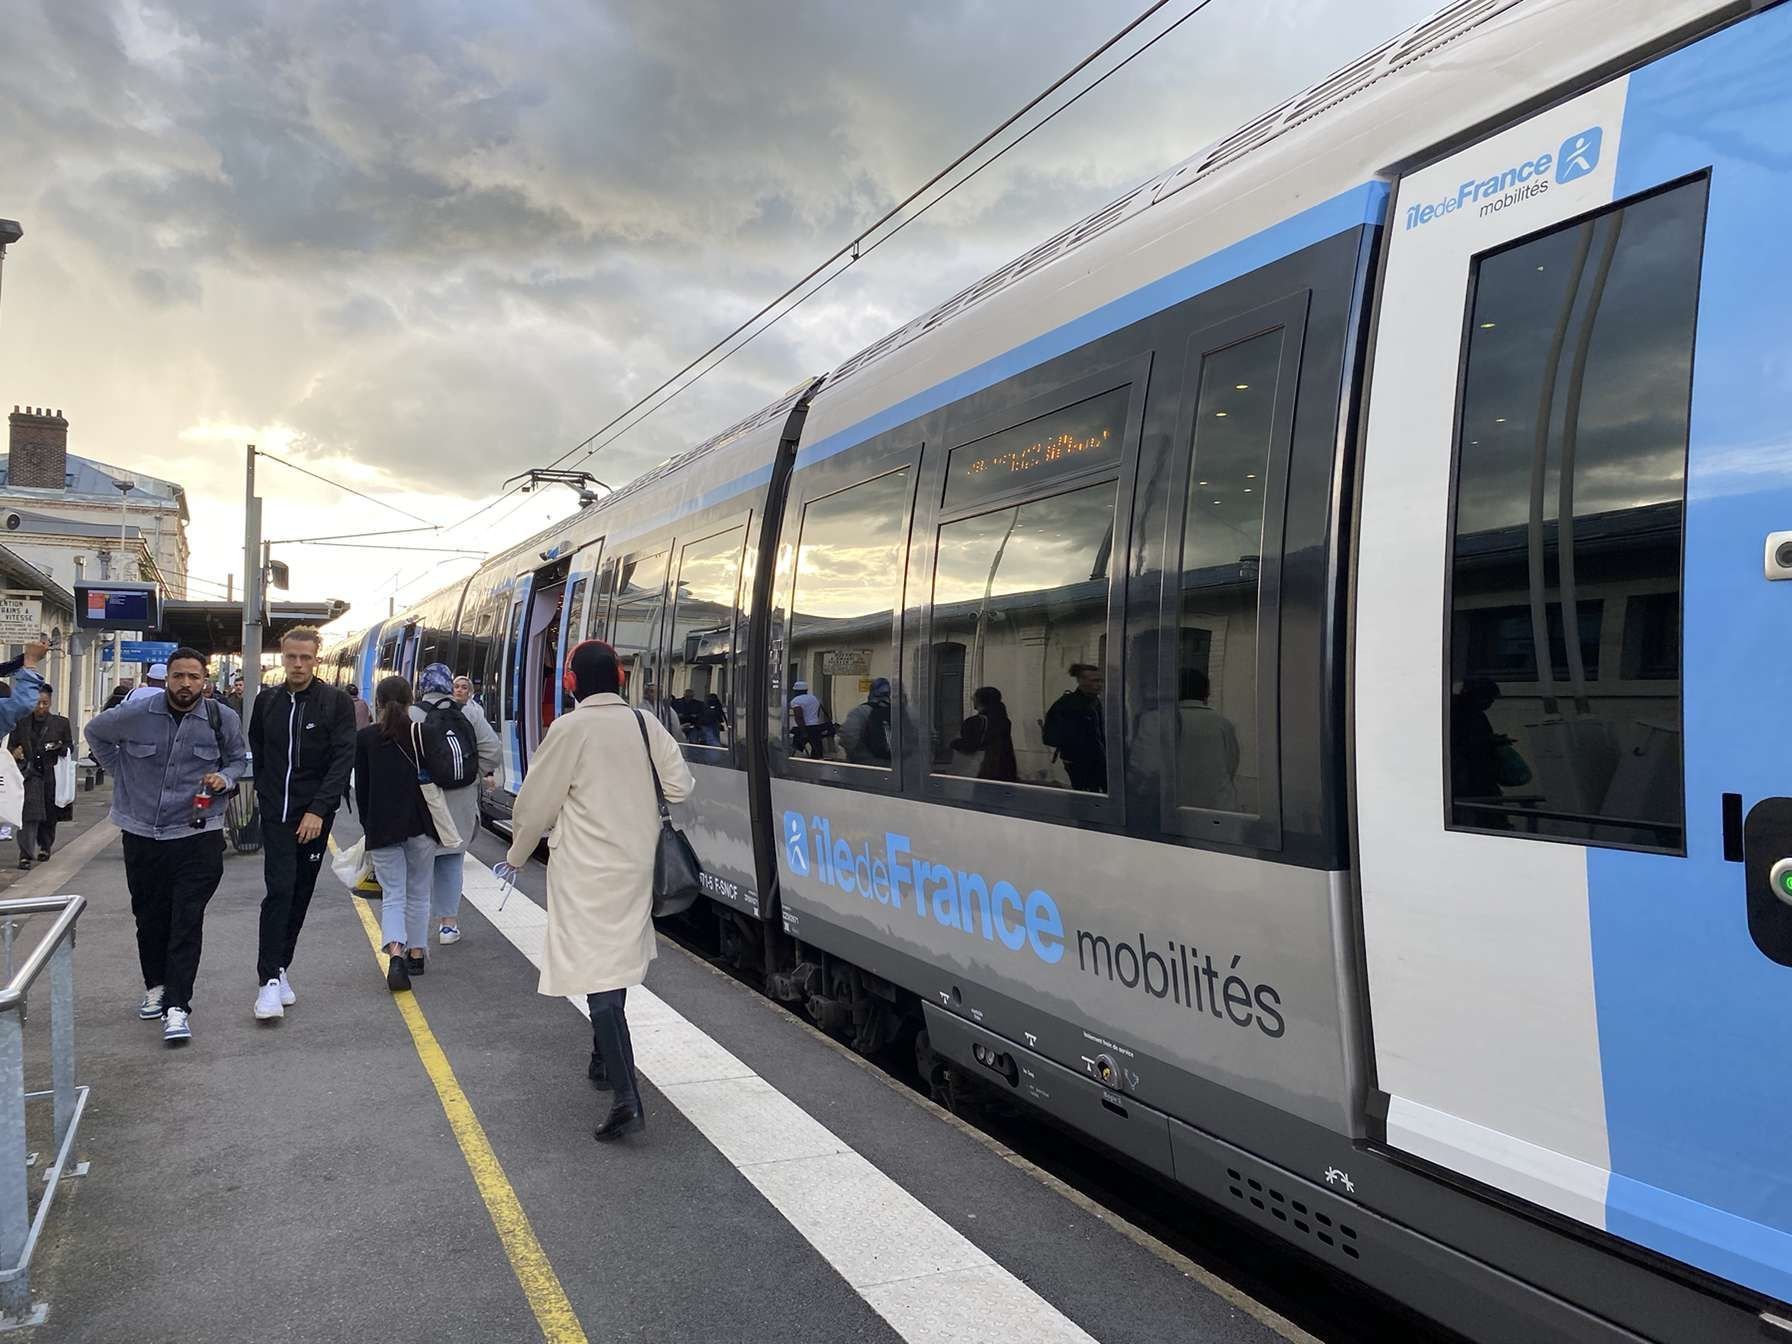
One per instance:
(931,1284)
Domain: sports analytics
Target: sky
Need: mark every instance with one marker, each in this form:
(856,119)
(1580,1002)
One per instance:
(418,246)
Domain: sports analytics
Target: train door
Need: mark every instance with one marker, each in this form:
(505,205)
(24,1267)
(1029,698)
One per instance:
(1570,697)
(573,619)
(514,646)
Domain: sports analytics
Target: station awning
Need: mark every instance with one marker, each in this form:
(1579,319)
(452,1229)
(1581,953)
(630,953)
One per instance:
(217,627)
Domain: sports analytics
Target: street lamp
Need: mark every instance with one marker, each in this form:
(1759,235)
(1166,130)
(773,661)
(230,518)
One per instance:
(10,233)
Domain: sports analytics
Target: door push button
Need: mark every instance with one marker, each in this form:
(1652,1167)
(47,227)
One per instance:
(1767,871)
(1779,555)
(1780,877)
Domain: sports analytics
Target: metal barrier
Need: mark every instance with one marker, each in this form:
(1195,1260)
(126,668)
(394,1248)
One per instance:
(19,1226)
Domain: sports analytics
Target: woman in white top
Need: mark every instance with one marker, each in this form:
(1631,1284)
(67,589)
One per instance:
(590,791)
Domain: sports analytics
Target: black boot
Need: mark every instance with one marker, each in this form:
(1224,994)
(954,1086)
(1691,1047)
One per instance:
(598,1074)
(624,1118)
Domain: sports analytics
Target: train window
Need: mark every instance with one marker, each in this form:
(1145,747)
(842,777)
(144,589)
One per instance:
(599,624)
(1040,453)
(636,627)
(842,640)
(702,643)
(1218,763)
(1022,592)
(1570,491)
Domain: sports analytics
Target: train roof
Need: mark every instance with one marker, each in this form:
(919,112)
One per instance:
(1311,163)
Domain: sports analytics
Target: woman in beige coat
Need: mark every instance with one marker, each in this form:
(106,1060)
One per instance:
(590,792)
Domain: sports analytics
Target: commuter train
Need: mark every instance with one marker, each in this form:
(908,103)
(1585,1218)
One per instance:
(1292,682)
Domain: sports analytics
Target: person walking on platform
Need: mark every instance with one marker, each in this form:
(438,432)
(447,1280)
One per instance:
(393,756)
(155,681)
(38,741)
(172,757)
(302,734)
(590,784)
(363,715)
(234,697)
(474,751)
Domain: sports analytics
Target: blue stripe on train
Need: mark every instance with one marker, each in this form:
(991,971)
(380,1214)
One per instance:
(1694,1022)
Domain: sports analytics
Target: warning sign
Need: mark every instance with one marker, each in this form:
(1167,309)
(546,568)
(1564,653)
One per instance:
(21,616)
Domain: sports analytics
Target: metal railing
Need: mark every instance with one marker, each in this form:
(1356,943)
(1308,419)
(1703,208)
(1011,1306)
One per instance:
(19,1226)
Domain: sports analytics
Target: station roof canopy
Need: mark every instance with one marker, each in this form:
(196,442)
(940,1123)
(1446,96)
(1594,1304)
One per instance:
(217,627)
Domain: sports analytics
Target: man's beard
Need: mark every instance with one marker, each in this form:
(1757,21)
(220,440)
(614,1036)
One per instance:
(183,699)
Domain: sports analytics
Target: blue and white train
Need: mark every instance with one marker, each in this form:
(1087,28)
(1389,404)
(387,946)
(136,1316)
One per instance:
(1299,671)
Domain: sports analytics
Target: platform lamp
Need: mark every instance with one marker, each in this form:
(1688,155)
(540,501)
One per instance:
(10,233)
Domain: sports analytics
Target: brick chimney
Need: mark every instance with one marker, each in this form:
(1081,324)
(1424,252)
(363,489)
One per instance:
(39,448)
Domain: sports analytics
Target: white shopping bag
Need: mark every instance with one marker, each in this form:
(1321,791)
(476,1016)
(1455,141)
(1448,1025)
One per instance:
(352,864)
(12,791)
(65,781)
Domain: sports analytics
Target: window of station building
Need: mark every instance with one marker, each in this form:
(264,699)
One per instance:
(636,626)
(702,644)
(1211,733)
(1024,591)
(850,560)
(1571,486)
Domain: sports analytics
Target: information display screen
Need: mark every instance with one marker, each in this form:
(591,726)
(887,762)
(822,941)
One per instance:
(1065,443)
(117,606)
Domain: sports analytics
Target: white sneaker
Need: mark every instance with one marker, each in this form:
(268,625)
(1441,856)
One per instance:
(175,1030)
(450,933)
(287,997)
(267,1002)
(151,1007)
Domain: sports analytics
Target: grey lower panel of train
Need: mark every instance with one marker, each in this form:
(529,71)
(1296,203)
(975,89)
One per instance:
(716,821)
(1141,965)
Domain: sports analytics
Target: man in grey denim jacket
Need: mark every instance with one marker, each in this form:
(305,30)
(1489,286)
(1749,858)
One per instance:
(165,753)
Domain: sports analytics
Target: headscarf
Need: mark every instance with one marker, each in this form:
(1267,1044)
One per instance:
(437,679)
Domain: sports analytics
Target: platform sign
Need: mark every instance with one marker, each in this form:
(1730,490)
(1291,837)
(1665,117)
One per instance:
(21,616)
(117,606)
(140,651)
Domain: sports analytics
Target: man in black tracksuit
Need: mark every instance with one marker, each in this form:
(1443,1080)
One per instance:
(302,736)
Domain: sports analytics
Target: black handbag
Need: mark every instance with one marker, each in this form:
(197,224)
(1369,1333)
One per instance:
(677,876)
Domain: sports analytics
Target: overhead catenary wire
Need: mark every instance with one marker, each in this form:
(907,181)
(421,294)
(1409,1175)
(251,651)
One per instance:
(346,489)
(861,254)
(855,250)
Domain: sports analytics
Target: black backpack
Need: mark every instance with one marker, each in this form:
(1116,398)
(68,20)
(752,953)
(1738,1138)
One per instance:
(455,764)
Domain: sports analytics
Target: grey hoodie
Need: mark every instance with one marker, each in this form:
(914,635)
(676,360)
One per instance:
(160,765)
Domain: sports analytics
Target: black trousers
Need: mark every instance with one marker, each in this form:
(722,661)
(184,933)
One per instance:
(610,1042)
(37,837)
(290,870)
(170,882)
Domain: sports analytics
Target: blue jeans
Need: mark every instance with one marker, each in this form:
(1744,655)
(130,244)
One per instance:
(444,884)
(404,873)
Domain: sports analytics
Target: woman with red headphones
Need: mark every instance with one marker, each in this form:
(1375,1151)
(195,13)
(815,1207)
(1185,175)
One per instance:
(590,791)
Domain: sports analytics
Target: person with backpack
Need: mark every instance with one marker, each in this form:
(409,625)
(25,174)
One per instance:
(473,752)
(176,757)
(395,756)
(865,733)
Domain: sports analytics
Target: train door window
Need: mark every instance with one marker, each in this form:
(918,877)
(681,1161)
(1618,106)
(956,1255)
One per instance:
(702,643)
(1569,495)
(433,648)
(600,606)
(636,627)
(843,642)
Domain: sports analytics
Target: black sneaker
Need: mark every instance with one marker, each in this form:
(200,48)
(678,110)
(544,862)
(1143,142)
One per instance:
(24,864)
(397,977)
(414,962)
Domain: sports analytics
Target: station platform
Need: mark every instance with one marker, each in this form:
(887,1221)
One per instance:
(420,1166)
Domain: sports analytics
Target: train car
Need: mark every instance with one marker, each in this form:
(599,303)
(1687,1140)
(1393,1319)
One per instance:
(1291,680)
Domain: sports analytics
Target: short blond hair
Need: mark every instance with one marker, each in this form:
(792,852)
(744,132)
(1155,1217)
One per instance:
(308,633)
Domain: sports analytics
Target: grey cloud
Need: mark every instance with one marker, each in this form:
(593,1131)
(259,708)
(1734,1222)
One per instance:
(161,289)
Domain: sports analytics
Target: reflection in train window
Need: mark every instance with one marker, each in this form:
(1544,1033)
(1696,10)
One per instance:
(842,653)
(1571,485)
(1217,764)
(636,628)
(1023,591)
(702,644)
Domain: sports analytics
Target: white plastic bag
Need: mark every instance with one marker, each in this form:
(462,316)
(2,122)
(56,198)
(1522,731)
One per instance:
(352,864)
(65,780)
(12,791)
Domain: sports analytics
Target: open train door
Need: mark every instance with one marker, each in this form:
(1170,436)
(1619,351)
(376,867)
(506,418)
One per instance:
(1572,696)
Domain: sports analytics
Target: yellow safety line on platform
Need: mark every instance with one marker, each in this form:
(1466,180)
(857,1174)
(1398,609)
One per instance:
(559,1324)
